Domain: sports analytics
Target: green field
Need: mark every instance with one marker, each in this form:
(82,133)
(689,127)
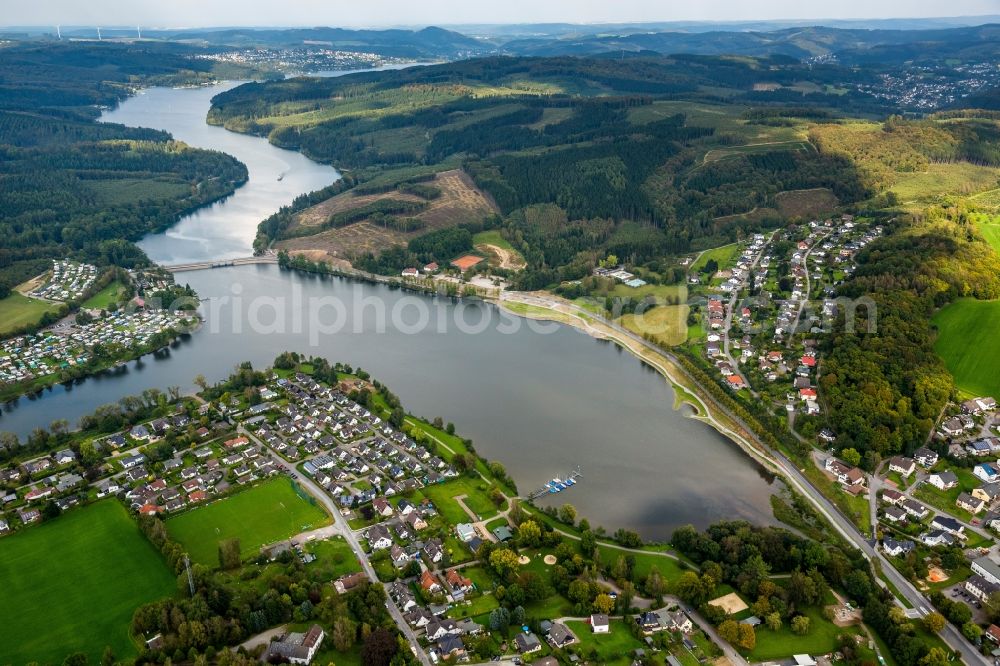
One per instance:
(724,256)
(443,494)
(989,227)
(968,330)
(821,639)
(261,515)
(72,584)
(667,324)
(105,297)
(17,311)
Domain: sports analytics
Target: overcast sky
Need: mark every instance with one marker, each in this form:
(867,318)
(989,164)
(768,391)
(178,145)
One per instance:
(182,13)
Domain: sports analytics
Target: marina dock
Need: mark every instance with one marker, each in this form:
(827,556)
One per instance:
(557,484)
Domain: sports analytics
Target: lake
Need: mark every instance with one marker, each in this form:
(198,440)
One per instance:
(543,399)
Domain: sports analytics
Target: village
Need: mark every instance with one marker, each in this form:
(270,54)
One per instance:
(422,518)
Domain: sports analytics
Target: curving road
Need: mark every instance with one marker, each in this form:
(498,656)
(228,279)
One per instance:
(343,529)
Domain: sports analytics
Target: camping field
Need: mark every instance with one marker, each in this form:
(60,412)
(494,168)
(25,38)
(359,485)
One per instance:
(965,329)
(261,515)
(17,310)
(72,584)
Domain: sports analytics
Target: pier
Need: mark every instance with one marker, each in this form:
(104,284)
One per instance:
(557,485)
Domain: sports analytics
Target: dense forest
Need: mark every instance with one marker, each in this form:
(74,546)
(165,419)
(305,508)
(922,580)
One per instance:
(886,386)
(70,186)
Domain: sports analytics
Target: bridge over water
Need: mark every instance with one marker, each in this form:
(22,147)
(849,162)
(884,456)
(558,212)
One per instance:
(222,263)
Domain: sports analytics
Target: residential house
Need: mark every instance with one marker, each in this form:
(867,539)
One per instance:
(915,509)
(988,492)
(979,587)
(948,524)
(937,538)
(969,503)
(560,636)
(527,642)
(943,480)
(297,648)
(902,465)
(465,532)
(847,475)
(599,623)
(349,582)
(894,514)
(925,457)
(893,496)
(988,472)
(897,548)
(378,537)
(438,629)
(430,583)
(987,568)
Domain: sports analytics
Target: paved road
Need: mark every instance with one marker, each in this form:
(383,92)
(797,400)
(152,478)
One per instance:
(344,530)
(951,636)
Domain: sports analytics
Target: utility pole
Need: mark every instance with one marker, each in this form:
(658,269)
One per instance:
(187,565)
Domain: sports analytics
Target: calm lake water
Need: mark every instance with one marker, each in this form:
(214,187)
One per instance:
(542,399)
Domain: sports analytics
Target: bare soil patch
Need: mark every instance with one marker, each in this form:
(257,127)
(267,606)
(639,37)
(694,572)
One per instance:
(816,202)
(460,201)
(731,603)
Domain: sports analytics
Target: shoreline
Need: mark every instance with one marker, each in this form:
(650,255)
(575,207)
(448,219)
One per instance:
(547,308)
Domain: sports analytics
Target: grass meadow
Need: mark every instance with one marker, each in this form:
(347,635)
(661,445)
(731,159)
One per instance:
(967,331)
(261,515)
(72,584)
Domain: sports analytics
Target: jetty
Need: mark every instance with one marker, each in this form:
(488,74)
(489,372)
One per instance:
(557,484)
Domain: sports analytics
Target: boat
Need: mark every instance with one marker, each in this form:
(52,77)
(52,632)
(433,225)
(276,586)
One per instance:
(570,481)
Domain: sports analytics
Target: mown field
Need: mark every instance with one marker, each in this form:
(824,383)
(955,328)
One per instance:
(105,297)
(667,324)
(967,335)
(72,584)
(261,515)
(17,311)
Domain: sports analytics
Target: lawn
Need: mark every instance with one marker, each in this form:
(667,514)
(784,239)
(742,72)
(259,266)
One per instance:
(669,568)
(105,297)
(989,227)
(443,494)
(613,647)
(17,311)
(723,256)
(965,329)
(336,555)
(278,513)
(72,584)
(821,639)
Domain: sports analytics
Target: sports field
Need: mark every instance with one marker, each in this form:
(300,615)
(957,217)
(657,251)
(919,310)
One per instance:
(968,330)
(264,514)
(72,584)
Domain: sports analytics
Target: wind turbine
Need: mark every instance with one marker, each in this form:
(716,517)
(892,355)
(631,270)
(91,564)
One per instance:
(99,34)
(138,29)
(59,33)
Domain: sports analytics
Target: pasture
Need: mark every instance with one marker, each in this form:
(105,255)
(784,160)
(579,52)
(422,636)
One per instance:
(17,311)
(72,584)
(258,516)
(667,324)
(967,330)
(989,227)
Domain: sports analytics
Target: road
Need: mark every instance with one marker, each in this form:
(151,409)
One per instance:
(344,530)
(950,635)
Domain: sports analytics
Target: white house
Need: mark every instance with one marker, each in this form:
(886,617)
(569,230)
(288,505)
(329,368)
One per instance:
(599,623)
(902,465)
(943,480)
(987,472)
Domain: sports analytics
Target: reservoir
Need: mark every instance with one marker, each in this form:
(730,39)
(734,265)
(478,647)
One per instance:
(541,398)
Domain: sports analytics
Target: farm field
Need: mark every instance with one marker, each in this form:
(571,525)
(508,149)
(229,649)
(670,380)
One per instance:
(17,311)
(460,201)
(72,584)
(277,511)
(965,329)
(104,297)
(666,323)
